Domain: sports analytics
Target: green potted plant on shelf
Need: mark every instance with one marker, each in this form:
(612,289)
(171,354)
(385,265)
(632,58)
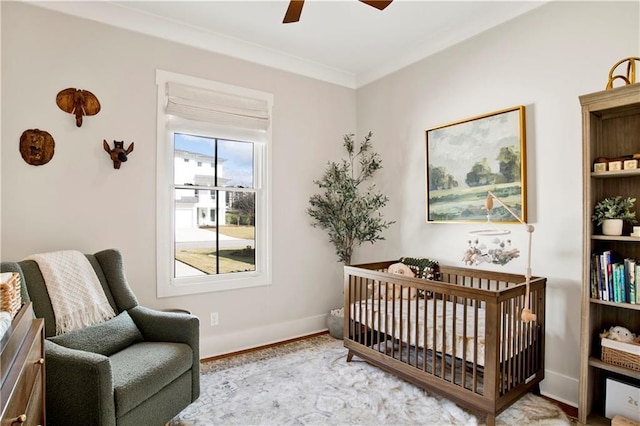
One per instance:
(347,208)
(612,212)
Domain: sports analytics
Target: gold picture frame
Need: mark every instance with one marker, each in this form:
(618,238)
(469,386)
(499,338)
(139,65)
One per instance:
(467,158)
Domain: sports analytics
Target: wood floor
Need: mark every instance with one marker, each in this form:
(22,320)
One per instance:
(568,409)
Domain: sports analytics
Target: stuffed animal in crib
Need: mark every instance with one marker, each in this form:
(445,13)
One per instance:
(621,334)
(380,290)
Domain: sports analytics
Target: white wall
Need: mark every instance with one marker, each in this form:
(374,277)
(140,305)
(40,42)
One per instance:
(544,60)
(78,201)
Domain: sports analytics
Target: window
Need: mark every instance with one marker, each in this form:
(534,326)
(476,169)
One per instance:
(204,242)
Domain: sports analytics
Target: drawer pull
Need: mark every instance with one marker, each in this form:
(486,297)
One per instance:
(22,418)
(40,361)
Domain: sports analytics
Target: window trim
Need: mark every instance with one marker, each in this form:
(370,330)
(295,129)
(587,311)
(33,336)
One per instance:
(166,284)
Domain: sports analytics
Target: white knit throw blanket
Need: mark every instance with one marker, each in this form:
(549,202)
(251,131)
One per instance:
(77,297)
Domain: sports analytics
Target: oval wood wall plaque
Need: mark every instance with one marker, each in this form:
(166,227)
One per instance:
(36,146)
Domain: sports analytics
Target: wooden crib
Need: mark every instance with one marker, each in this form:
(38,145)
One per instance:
(459,336)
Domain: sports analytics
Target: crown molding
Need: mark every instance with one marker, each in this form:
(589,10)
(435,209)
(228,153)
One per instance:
(118,15)
(134,20)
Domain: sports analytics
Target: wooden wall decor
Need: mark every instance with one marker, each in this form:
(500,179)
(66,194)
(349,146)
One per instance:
(78,102)
(118,154)
(36,146)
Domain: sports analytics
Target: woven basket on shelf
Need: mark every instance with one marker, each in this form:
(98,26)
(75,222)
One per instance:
(10,299)
(620,358)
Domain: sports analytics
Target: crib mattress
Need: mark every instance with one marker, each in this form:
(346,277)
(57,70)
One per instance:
(401,319)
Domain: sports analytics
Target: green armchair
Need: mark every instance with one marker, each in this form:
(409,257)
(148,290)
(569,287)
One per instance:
(140,368)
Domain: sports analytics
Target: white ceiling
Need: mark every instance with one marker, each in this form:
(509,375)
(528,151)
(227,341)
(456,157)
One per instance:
(342,41)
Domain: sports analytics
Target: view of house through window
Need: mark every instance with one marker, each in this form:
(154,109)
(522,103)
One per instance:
(215,213)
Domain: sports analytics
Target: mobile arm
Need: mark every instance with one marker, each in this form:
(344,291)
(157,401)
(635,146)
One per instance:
(527,315)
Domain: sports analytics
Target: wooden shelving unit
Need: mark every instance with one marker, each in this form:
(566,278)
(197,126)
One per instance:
(610,128)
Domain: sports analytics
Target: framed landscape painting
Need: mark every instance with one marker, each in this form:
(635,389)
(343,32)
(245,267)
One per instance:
(467,158)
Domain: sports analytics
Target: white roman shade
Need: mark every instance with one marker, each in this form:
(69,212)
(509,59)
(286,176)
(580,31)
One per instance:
(217,107)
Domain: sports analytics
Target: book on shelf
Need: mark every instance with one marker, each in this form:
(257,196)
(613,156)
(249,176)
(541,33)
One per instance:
(616,282)
(637,284)
(614,279)
(629,280)
(593,275)
(605,259)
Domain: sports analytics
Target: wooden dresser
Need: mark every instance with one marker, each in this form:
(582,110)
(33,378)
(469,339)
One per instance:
(22,373)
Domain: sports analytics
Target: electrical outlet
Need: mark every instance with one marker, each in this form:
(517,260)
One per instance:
(214,318)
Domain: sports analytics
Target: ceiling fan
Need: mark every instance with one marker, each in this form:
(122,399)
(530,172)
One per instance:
(295,8)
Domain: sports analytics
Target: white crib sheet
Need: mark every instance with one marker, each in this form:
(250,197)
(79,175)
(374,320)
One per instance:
(444,320)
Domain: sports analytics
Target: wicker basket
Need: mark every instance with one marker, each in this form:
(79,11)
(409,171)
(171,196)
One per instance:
(10,299)
(620,358)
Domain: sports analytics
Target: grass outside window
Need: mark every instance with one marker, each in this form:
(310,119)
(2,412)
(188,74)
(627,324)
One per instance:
(236,259)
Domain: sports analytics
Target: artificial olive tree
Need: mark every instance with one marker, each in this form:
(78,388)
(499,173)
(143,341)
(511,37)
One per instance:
(346,208)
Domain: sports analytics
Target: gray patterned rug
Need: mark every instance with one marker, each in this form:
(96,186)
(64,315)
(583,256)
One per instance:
(309,382)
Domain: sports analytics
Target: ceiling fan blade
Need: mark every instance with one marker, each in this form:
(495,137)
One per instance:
(293,11)
(378,4)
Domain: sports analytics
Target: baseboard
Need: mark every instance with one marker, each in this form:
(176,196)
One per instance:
(560,387)
(221,344)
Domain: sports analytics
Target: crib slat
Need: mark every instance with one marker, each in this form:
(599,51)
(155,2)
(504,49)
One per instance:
(443,334)
(520,343)
(393,322)
(509,343)
(416,337)
(513,306)
(454,340)
(365,328)
(475,346)
(401,325)
(365,322)
(464,344)
(392,325)
(531,337)
(443,338)
(352,295)
(513,343)
(425,322)
(381,326)
(501,345)
(434,325)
